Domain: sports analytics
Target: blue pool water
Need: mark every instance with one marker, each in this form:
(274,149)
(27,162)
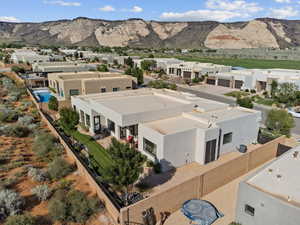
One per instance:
(43,96)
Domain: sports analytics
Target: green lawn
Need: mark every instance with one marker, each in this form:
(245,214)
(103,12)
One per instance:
(247,63)
(101,156)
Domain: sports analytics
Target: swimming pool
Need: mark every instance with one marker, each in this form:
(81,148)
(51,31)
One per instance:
(43,96)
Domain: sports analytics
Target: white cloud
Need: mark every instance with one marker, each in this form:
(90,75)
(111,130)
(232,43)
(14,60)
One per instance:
(236,5)
(63,3)
(196,15)
(283,13)
(136,9)
(283,1)
(220,10)
(107,8)
(9,19)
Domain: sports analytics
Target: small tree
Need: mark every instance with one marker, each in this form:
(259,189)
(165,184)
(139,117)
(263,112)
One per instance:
(274,86)
(280,122)
(126,168)
(69,118)
(53,103)
(286,93)
(21,220)
(129,62)
(102,68)
(43,192)
(148,65)
(245,102)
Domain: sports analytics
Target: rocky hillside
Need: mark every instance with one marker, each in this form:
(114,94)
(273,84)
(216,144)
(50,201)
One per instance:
(259,33)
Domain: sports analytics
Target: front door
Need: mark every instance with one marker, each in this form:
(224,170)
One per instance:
(210,152)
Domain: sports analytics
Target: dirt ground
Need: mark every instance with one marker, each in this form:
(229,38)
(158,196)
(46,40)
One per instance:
(20,149)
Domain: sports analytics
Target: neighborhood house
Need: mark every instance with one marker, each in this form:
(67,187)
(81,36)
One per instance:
(169,127)
(82,83)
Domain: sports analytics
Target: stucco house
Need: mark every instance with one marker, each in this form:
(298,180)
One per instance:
(82,83)
(191,70)
(257,79)
(271,195)
(172,128)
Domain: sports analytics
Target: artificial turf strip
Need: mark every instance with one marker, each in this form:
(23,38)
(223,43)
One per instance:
(100,154)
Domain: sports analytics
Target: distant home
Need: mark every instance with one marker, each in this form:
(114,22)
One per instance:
(56,67)
(81,83)
(169,127)
(191,70)
(28,56)
(257,79)
(161,63)
(272,195)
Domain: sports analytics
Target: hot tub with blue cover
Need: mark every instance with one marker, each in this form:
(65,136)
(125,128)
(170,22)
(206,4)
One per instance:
(201,212)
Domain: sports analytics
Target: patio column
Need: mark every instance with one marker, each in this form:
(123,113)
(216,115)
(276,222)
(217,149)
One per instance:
(117,132)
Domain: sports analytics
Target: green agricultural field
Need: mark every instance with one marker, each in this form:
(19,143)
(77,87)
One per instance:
(247,63)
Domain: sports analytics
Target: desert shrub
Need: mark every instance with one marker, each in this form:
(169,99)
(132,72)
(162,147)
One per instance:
(59,168)
(8,115)
(11,203)
(73,206)
(26,120)
(21,220)
(38,175)
(64,184)
(46,143)
(43,192)
(16,131)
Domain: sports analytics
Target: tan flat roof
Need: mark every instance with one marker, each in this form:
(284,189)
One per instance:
(175,125)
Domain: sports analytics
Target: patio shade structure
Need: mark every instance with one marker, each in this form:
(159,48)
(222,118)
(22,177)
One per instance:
(200,211)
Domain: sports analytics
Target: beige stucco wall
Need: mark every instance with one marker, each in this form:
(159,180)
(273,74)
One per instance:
(92,86)
(171,200)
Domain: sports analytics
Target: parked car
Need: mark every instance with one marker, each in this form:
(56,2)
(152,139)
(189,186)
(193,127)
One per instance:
(293,113)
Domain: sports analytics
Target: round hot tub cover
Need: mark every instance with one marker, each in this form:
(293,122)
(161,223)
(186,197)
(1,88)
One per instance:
(201,212)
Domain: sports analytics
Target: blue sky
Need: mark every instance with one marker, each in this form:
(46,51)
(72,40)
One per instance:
(166,10)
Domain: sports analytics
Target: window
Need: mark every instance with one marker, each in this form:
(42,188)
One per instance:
(149,147)
(103,90)
(227,138)
(81,116)
(74,92)
(87,120)
(116,89)
(74,107)
(128,87)
(111,125)
(249,210)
